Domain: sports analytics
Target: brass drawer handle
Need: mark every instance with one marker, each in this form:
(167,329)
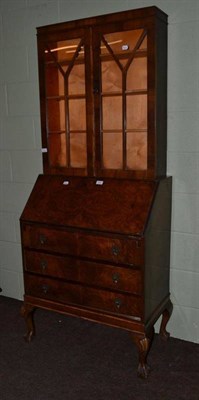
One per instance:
(45,289)
(115,278)
(115,250)
(42,239)
(118,303)
(43,265)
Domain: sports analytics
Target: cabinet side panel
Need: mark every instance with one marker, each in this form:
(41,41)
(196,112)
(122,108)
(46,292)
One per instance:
(157,250)
(161,100)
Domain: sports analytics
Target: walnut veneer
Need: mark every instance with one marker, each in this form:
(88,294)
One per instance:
(96,228)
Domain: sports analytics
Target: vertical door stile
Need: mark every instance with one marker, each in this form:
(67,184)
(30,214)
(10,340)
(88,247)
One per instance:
(101,136)
(67,119)
(151,100)
(124,147)
(96,95)
(89,79)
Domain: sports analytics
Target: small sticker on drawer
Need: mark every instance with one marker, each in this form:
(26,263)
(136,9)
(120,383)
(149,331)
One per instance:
(99,182)
(66,182)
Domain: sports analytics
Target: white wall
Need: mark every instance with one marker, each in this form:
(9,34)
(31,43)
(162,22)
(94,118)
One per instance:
(20,155)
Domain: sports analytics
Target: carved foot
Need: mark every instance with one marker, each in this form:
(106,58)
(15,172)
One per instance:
(143,344)
(165,318)
(27,314)
(143,371)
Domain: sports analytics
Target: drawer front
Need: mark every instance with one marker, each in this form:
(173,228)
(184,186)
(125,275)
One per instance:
(76,294)
(73,269)
(125,251)
(47,239)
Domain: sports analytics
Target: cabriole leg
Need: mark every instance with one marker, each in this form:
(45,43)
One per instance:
(143,344)
(27,313)
(165,318)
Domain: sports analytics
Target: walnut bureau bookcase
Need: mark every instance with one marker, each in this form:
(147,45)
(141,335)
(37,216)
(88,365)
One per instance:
(96,228)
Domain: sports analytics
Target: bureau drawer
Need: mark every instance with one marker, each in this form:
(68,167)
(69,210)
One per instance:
(79,295)
(125,250)
(115,277)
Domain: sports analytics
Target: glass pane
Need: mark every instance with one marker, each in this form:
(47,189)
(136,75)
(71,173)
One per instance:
(76,81)
(137,74)
(56,115)
(137,150)
(65,77)
(112,113)
(112,150)
(121,43)
(57,149)
(124,102)
(77,115)
(111,77)
(78,150)
(136,112)
(63,51)
(54,81)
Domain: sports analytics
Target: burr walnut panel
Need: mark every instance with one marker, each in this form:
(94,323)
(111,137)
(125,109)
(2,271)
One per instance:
(109,205)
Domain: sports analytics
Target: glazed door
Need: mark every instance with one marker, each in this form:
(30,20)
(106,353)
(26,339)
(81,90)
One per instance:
(121,101)
(64,96)
(103,102)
